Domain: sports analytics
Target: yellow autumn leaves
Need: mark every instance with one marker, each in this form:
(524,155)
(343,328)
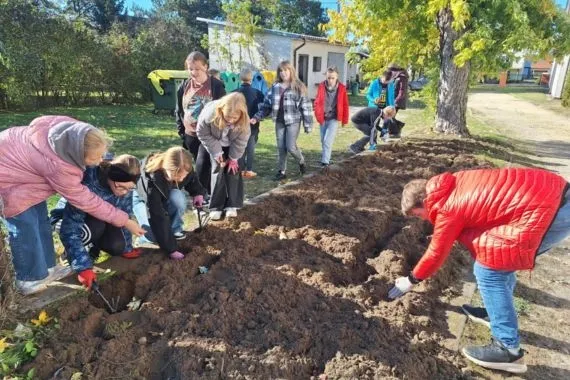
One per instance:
(43,319)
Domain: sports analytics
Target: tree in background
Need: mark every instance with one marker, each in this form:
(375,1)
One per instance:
(457,37)
(297,16)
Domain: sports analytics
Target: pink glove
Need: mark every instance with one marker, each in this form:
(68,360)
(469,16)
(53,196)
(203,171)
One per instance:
(176,255)
(233,166)
(198,201)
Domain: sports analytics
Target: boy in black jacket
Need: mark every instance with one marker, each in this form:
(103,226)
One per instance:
(253,97)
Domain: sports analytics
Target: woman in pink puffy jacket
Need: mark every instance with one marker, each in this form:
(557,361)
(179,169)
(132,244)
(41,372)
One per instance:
(37,161)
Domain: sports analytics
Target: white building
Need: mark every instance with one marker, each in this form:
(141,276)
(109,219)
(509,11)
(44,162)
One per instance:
(311,55)
(560,71)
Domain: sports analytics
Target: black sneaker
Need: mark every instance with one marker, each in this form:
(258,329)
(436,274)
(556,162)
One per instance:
(477,314)
(496,356)
(302,169)
(280,176)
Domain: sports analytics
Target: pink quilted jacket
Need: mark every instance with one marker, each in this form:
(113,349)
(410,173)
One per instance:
(30,172)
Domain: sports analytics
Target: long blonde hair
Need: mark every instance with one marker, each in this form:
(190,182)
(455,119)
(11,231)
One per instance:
(229,104)
(171,161)
(296,84)
(96,140)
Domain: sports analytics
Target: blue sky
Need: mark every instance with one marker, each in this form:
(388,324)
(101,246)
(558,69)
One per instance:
(147,4)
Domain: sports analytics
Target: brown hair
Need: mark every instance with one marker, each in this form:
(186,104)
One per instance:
(126,162)
(332,69)
(413,195)
(171,161)
(195,56)
(95,139)
(233,102)
(296,84)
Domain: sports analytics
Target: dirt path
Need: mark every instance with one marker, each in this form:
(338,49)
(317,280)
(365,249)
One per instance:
(544,294)
(541,131)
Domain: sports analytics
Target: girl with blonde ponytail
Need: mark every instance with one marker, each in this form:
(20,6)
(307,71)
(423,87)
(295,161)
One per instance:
(159,202)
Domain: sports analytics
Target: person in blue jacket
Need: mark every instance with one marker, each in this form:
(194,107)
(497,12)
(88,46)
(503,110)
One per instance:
(82,235)
(382,91)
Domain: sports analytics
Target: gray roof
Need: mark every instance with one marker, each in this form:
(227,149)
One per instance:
(276,32)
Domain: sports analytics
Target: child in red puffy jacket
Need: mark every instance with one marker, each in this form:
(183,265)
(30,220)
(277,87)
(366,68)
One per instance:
(331,107)
(505,218)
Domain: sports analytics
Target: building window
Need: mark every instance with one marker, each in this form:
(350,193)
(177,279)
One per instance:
(317,64)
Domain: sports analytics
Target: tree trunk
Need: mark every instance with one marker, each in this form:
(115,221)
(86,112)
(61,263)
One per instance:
(453,81)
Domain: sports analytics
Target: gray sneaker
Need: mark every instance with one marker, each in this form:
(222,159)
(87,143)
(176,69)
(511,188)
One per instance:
(27,288)
(58,272)
(496,356)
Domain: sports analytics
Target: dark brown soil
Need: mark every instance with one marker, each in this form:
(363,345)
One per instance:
(296,288)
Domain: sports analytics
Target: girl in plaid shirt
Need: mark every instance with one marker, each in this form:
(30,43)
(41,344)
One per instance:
(288,104)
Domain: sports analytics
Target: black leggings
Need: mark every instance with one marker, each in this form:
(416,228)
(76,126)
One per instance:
(98,236)
(201,158)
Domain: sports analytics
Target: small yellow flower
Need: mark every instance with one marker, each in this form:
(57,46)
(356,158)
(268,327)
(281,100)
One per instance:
(43,319)
(3,345)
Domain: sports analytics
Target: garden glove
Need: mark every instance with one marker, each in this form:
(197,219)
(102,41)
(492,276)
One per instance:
(198,201)
(133,254)
(401,287)
(233,166)
(87,277)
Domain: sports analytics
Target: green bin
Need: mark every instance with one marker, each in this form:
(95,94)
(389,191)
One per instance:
(354,88)
(163,87)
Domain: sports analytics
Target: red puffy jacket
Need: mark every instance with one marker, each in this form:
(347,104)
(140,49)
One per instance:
(499,215)
(342,110)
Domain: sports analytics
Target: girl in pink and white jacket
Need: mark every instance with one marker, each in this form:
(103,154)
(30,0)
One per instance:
(37,161)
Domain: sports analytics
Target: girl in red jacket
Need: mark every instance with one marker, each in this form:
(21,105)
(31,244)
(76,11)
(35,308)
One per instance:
(505,217)
(331,106)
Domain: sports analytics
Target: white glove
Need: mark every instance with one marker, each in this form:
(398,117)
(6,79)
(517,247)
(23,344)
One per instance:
(401,287)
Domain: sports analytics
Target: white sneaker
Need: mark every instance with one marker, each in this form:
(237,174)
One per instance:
(58,272)
(231,212)
(215,215)
(30,287)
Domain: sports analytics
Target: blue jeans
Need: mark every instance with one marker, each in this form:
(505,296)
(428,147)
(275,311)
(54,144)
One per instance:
(249,153)
(496,288)
(176,206)
(286,136)
(328,133)
(31,243)
(560,228)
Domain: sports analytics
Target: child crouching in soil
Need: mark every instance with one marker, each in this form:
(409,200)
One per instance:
(224,130)
(159,192)
(83,235)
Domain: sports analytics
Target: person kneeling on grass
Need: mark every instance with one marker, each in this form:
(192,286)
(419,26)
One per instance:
(224,130)
(159,203)
(84,236)
(369,121)
(506,218)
